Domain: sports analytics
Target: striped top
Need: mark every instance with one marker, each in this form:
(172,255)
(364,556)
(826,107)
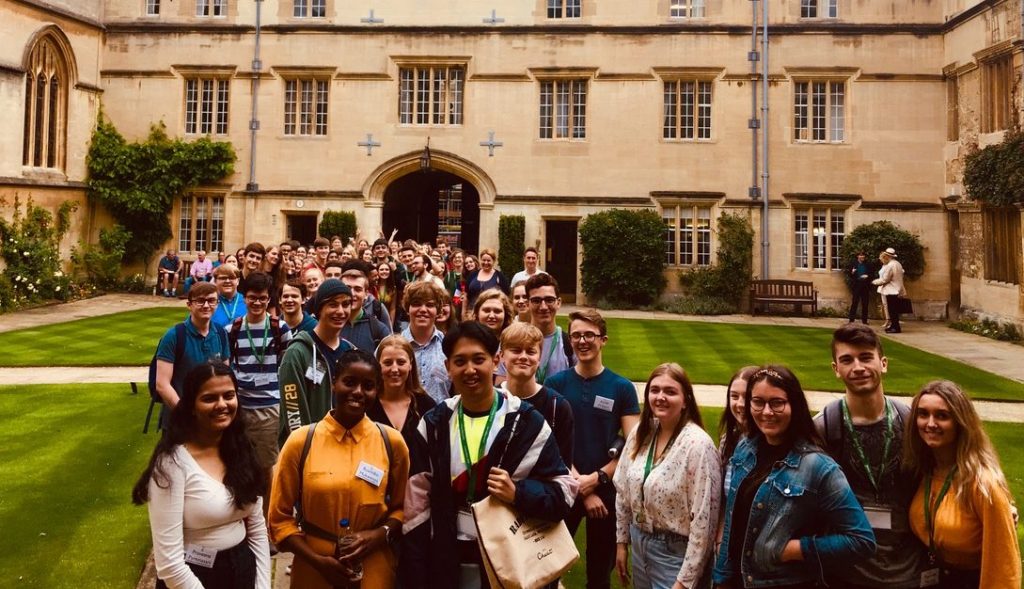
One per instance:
(255,360)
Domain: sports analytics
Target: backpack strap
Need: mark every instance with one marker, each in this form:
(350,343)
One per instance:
(307,527)
(236,327)
(179,342)
(833,417)
(570,356)
(391,455)
(902,410)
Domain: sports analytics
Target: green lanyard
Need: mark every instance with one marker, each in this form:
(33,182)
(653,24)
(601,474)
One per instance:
(929,515)
(876,484)
(542,371)
(483,446)
(234,307)
(649,466)
(252,346)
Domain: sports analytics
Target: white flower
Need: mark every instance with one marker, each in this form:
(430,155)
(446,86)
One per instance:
(58,274)
(25,253)
(56,289)
(37,280)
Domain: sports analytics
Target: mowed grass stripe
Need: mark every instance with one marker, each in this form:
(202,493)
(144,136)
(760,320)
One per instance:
(71,455)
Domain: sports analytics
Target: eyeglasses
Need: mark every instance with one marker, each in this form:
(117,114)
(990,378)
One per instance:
(549,301)
(264,299)
(211,302)
(586,337)
(226,278)
(776,404)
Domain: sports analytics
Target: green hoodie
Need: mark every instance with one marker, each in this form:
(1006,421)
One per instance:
(305,385)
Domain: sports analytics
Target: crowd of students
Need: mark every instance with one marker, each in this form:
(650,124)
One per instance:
(350,411)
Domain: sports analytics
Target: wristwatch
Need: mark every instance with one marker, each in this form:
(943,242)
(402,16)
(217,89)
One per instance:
(387,533)
(602,477)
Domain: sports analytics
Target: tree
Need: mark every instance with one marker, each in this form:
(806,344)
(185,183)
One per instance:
(623,256)
(340,223)
(874,238)
(511,243)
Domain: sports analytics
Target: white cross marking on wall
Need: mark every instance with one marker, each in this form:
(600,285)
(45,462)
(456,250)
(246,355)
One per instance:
(369,144)
(490,144)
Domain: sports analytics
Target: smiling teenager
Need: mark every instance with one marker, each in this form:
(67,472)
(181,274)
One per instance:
(789,514)
(455,463)
(962,510)
(668,481)
(347,475)
(422,302)
(203,486)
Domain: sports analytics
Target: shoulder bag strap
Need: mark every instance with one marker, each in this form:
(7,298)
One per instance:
(391,458)
(307,527)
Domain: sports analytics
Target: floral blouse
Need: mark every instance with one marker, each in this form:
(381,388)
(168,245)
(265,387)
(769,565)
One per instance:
(681,495)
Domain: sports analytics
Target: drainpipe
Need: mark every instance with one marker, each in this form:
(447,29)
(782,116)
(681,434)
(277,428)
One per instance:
(254,122)
(764,140)
(754,192)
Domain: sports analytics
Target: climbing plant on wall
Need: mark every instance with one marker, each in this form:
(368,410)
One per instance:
(995,174)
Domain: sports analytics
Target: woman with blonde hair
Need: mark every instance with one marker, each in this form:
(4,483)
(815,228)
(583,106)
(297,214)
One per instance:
(494,310)
(402,400)
(486,278)
(962,510)
(668,481)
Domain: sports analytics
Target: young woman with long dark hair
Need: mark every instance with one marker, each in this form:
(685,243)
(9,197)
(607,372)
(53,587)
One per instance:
(203,486)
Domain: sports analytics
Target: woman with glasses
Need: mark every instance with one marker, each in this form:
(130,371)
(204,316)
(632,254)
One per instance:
(962,511)
(668,481)
(789,512)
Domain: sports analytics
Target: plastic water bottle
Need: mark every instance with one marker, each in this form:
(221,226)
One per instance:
(345,537)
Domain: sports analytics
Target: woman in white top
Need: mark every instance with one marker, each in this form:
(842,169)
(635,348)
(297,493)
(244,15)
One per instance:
(203,486)
(669,487)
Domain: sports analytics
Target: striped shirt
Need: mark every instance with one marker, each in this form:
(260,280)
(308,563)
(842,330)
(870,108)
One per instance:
(254,358)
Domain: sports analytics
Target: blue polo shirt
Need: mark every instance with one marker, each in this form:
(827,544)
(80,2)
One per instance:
(198,349)
(229,309)
(598,405)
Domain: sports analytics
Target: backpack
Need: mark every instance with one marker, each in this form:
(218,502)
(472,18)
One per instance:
(833,431)
(570,356)
(179,351)
(275,330)
(317,531)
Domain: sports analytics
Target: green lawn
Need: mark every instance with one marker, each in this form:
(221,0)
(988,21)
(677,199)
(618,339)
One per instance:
(72,453)
(710,352)
(70,457)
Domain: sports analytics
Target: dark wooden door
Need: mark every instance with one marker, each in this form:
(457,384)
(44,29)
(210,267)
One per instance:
(302,228)
(560,256)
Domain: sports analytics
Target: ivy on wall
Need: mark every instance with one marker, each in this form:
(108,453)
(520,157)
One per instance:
(721,288)
(137,182)
(995,174)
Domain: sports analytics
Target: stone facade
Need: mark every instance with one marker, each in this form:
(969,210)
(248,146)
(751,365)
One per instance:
(880,71)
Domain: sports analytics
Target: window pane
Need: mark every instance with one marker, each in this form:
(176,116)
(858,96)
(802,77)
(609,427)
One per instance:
(319,8)
(697,8)
(546,109)
(53,98)
(152,7)
(405,97)
(217,225)
(820,233)
(833,8)
(703,236)
(572,8)
(321,107)
(220,7)
(306,108)
(191,105)
(202,7)
(579,122)
(206,107)
(704,110)
(289,106)
(40,119)
(686,98)
(185,225)
(800,111)
(455,107)
(808,8)
(838,112)
(562,110)
(26,153)
(222,107)
(299,9)
(800,239)
(686,236)
(836,238)
(554,8)
(818,111)
(439,96)
(669,217)
(669,123)
(201,227)
(422,96)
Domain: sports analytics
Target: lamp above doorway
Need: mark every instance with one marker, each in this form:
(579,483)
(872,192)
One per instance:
(425,158)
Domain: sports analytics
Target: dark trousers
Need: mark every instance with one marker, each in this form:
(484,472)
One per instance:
(234,568)
(894,313)
(861,296)
(600,539)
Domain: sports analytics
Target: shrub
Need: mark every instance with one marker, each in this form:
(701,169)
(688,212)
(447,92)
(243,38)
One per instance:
(30,248)
(1006,332)
(511,243)
(723,286)
(101,263)
(340,223)
(693,305)
(623,256)
(995,174)
(874,238)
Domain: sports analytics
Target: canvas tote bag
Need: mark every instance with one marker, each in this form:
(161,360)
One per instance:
(520,553)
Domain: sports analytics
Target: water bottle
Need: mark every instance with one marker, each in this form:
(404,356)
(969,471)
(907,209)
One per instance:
(345,537)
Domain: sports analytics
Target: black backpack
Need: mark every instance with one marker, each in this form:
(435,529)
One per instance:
(834,432)
(179,351)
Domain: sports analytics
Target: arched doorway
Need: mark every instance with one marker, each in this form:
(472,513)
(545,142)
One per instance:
(425,205)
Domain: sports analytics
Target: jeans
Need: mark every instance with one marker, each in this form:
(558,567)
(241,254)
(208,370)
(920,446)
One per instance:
(600,539)
(657,557)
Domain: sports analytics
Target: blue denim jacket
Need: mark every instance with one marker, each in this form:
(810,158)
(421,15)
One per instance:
(805,497)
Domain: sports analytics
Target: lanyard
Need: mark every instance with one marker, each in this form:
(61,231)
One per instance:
(649,465)
(252,346)
(542,371)
(234,307)
(876,484)
(929,515)
(483,446)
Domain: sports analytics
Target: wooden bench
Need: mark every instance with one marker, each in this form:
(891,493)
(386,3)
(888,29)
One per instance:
(791,292)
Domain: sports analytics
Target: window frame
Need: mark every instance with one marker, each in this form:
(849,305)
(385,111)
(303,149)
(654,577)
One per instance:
(309,118)
(821,9)
(1001,229)
(997,87)
(196,116)
(699,109)
(151,7)
(561,107)
(309,8)
(211,8)
(833,224)
(687,9)
(425,99)
(807,111)
(560,9)
(209,221)
(47,84)
(694,241)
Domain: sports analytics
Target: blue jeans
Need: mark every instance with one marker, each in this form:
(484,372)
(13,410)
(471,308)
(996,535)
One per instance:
(657,557)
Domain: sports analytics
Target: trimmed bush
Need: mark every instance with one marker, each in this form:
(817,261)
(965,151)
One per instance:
(873,238)
(340,223)
(511,243)
(623,256)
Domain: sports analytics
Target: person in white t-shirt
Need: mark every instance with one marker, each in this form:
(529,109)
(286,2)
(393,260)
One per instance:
(530,260)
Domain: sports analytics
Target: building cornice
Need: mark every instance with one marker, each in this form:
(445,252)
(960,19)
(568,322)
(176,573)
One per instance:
(322,194)
(44,182)
(634,201)
(893,205)
(47,7)
(10,69)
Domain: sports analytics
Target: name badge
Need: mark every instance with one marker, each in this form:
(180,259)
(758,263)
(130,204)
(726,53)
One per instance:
(200,555)
(316,373)
(880,518)
(465,525)
(262,379)
(370,474)
(604,403)
(930,578)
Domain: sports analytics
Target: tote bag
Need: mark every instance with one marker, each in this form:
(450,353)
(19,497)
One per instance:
(520,553)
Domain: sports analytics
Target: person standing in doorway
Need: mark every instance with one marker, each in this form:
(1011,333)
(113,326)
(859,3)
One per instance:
(530,269)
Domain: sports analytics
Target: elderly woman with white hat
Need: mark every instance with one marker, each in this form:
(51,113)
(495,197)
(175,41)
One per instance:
(890,286)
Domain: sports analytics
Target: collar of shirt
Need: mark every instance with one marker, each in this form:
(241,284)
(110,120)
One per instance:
(436,336)
(338,431)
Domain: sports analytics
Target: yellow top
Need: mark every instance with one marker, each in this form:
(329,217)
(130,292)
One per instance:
(332,492)
(981,537)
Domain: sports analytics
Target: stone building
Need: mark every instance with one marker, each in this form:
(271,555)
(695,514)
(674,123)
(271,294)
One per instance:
(553,109)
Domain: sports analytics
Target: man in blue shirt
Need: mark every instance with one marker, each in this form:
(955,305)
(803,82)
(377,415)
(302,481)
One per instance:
(230,305)
(860,282)
(170,271)
(204,341)
(603,404)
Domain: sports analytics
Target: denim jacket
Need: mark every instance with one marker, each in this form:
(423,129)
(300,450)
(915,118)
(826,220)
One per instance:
(805,497)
